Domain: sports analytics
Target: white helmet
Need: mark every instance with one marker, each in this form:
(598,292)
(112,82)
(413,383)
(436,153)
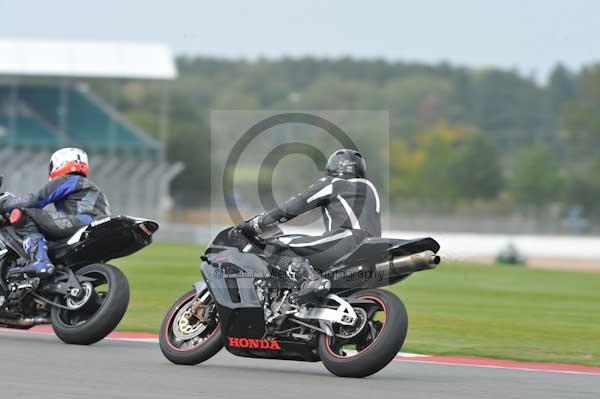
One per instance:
(66,161)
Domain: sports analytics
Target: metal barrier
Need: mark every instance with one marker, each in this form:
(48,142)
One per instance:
(133,187)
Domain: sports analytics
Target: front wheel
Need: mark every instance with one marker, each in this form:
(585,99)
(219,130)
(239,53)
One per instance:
(384,322)
(191,332)
(97,314)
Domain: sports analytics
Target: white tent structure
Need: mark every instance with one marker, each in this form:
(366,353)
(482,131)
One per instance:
(135,185)
(92,59)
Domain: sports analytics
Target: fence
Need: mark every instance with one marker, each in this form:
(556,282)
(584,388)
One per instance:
(134,187)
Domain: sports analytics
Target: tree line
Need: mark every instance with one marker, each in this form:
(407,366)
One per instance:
(459,136)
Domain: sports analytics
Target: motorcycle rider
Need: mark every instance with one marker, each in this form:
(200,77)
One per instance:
(351,212)
(77,200)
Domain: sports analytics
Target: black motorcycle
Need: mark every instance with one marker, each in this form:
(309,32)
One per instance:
(244,304)
(85,298)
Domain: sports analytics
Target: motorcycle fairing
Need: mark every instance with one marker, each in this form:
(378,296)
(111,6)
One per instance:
(127,236)
(230,276)
(290,350)
(243,269)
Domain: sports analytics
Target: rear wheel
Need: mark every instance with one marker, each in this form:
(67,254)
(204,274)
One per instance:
(191,332)
(384,323)
(102,306)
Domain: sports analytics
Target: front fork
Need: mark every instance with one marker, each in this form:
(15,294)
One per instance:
(198,308)
(200,287)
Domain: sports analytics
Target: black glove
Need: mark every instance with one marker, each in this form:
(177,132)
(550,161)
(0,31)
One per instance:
(247,228)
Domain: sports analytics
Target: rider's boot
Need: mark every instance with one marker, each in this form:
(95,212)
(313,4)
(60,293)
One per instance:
(312,285)
(39,264)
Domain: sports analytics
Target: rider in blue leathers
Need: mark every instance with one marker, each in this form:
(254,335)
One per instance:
(77,200)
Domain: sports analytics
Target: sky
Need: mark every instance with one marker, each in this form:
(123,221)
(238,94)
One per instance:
(528,35)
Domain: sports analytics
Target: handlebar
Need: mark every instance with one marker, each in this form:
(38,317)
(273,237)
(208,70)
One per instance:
(261,241)
(256,240)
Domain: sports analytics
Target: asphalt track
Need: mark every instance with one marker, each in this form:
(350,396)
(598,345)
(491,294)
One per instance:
(40,366)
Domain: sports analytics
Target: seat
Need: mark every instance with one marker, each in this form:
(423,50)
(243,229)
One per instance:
(56,248)
(58,243)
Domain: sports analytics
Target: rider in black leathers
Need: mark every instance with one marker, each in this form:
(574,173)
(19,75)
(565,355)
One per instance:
(77,200)
(351,212)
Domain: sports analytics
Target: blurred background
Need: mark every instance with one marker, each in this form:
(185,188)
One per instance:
(494,118)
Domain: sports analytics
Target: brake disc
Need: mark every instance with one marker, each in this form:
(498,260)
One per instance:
(182,328)
(352,331)
(76,303)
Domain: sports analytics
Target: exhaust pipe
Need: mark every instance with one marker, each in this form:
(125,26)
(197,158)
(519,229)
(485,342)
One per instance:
(24,323)
(409,264)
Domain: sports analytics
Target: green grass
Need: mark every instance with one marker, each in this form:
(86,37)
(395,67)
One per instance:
(158,275)
(504,312)
(495,311)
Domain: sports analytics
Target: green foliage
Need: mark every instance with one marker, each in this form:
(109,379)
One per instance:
(188,138)
(584,187)
(504,112)
(452,160)
(562,88)
(476,169)
(581,118)
(189,143)
(503,101)
(419,101)
(536,179)
(581,123)
(420,170)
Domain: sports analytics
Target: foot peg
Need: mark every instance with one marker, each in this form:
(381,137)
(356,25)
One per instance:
(311,283)
(312,289)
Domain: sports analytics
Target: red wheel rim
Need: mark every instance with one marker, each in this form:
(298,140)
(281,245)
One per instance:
(327,340)
(169,324)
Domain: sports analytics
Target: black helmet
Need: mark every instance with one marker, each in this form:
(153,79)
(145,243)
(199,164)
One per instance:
(346,163)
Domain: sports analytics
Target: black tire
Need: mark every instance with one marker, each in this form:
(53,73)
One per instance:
(193,354)
(101,314)
(381,350)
